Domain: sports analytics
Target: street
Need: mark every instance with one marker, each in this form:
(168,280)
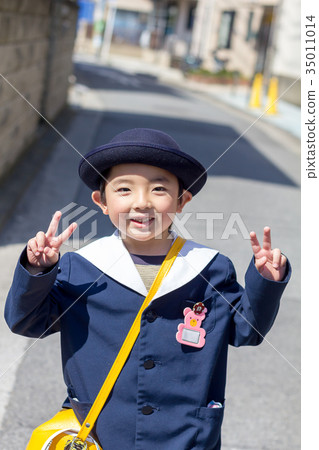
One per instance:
(253,182)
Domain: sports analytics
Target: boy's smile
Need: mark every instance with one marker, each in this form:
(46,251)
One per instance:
(143,221)
(142,201)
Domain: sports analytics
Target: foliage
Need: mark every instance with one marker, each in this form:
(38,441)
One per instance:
(225,74)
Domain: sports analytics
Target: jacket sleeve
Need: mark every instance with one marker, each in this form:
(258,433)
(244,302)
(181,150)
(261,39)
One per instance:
(254,308)
(32,306)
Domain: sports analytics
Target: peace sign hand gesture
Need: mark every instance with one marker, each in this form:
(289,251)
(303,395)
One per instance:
(271,264)
(43,249)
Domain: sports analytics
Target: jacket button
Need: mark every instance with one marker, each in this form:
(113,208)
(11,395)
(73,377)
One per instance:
(149,364)
(147,410)
(151,316)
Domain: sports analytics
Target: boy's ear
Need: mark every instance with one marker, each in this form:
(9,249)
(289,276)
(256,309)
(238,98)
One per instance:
(185,198)
(96,198)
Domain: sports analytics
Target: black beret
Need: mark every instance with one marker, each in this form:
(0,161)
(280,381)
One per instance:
(144,146)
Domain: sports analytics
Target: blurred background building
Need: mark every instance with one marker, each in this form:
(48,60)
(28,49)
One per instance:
(230,38)
(244,37)
(250,37)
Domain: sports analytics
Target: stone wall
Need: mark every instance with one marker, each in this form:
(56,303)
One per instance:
(59,67)
(36,44)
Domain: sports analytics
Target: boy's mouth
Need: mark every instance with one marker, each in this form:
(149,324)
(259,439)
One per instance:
(142,221)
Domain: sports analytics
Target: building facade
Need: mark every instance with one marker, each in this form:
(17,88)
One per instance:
(246,36)
(285,53)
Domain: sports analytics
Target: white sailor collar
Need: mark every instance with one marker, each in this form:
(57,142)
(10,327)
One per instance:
(110,256)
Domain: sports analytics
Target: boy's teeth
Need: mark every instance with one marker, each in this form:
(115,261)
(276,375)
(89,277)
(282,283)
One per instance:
(142,220)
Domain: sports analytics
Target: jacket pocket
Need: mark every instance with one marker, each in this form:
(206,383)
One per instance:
(209,427)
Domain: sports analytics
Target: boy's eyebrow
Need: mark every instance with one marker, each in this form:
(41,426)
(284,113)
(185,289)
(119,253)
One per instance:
(160,179)
(121,180)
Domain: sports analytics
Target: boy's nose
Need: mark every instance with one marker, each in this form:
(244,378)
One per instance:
(141,201)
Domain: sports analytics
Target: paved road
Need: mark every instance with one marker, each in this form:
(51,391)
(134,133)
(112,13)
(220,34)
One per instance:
(254,183)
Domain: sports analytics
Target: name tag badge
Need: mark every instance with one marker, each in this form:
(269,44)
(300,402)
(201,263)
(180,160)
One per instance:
(190,332)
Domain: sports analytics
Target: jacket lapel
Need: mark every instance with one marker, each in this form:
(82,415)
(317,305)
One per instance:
(192,259)
(110,256)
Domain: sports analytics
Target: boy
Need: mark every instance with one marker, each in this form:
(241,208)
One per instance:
(170,393)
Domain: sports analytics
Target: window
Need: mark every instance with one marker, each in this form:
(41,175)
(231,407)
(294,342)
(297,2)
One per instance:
(250,33)
(226,29)
(171,18)
(128,26)
(191,17)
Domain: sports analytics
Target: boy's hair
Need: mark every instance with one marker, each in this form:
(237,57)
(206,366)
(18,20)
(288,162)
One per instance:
(105,177)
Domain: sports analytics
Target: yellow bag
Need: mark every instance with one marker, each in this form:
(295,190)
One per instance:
(58,432)
(63,431)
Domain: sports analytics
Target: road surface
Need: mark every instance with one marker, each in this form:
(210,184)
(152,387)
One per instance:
(253,181)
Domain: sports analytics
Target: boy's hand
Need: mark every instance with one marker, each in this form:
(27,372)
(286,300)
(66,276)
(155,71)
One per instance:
(43,249)
(271,264)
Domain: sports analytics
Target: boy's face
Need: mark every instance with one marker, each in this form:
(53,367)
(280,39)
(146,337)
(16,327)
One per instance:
(141,201)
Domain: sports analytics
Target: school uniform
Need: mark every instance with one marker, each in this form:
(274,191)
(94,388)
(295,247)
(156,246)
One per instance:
(160,398)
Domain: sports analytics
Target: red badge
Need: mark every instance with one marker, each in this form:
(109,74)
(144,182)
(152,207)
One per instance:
(198,308)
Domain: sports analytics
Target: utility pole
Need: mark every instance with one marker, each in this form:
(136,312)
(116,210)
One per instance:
(107,12)
(109,28)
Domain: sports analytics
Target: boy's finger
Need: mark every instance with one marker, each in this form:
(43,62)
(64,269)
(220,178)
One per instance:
(50,252)
(33,247)
(64,236)
(260,263)
(276,255)
(254,242)
(41,240)
(267,239)
(54,224)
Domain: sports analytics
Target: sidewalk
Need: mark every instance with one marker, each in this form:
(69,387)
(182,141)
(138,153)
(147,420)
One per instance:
(287,119)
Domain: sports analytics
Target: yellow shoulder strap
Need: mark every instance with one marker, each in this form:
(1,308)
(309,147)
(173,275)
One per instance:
(128,343)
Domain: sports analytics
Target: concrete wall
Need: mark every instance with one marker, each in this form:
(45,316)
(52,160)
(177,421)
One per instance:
(36,43)
(59,67)
(287,43)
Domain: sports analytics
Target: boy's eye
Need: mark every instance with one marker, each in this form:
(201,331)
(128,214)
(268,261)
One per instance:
(123,189)
(159,189)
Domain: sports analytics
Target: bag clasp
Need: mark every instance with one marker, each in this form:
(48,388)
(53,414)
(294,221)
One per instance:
(76,444)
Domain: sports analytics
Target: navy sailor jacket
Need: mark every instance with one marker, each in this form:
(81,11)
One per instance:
(160,398)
